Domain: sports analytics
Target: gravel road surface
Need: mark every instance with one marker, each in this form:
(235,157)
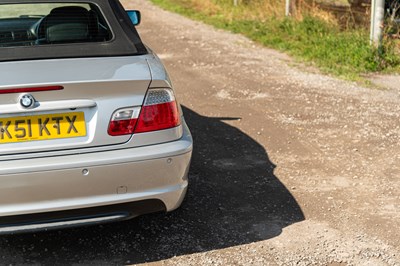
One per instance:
(291,167)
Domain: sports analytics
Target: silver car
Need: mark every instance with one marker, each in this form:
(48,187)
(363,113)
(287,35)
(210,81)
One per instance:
(90,129)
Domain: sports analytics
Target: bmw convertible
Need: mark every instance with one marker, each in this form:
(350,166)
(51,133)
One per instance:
(90,128)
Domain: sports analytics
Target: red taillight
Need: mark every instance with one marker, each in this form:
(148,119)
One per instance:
(123,121)
(160,111)
(158,117)
(124,127)
(31,89)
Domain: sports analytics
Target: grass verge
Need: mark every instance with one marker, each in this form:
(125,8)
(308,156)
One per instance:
(343,53)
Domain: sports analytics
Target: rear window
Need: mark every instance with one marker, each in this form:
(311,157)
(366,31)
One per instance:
(37,24)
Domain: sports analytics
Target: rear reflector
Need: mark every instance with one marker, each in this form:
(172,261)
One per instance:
(160,111)
(31,89)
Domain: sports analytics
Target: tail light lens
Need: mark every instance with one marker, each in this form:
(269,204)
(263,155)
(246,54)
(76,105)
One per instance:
(123,121)
(160,111)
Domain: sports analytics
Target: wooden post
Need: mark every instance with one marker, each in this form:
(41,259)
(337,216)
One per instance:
(235,2)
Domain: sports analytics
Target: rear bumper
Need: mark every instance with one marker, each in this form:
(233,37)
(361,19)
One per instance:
(81,181)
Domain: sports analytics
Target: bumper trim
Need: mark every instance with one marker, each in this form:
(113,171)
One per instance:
(60,224)
(79,217)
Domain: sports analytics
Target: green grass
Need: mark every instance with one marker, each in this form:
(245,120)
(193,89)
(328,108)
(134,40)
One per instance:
(343,53)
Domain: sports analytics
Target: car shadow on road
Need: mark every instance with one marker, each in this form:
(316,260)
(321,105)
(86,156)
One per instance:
(234,198)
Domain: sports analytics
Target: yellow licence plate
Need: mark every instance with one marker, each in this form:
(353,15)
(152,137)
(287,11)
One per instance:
(42,127)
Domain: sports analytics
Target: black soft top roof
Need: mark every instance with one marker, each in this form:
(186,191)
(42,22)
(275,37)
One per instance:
(126,40)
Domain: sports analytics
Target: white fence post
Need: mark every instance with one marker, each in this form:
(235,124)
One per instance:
(377,17)
(287,9)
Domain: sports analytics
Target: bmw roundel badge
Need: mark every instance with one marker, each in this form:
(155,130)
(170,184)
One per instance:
(27,101)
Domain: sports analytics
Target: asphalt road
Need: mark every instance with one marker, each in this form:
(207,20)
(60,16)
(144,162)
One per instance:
(290,167)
